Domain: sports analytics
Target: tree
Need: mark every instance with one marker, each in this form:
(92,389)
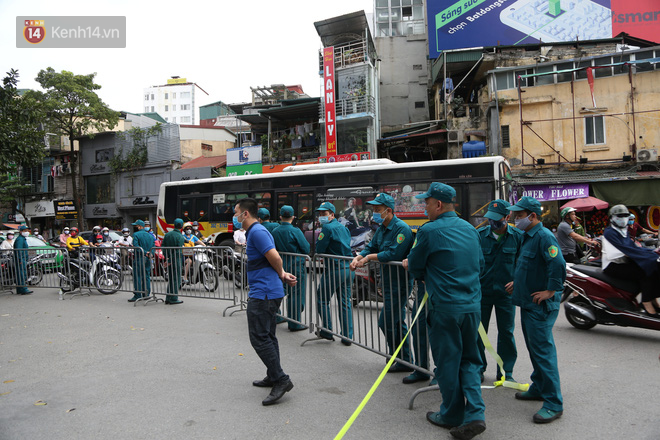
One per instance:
(73,109)
(138,155)
(21,139)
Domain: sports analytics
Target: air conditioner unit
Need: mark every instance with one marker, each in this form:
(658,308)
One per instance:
(650,155)
(455,136)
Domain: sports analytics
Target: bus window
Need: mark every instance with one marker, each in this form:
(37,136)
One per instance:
(195,208)
(263,200)
(224,211)
(284,199)
(186,208)
(304,209)
(405,203)
(480,196)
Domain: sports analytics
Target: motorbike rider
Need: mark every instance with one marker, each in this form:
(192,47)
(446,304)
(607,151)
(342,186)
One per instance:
(74,242)
(196,232)
(8,243)
(635,228)
(35,232)
(64,236)
(126,241)
(622,258)
(147,228)
(189,241)
(105,235)
(567,237)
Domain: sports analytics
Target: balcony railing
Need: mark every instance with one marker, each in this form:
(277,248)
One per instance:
(348,54)
(352,107)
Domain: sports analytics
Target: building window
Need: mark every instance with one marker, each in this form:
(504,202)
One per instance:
(594,130)
(146,97)
(100,189)
(185,106)
(419,104)
(173,107)
(173,95)
(417,67)
(185,118)
(207,147)
(184,95)
(167,96)
(506,140)
(152,109)
(152,96)
(167,108)
(146,109)
(173,119)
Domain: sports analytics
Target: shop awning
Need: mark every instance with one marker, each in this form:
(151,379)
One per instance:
(11,225)
(630,193)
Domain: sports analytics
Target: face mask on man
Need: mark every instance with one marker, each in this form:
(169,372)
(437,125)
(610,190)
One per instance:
(147,228)
(378,218)
(619,222)
(106,233)
(496,224)
(523,223)
(324,219)
(126,234)
(25,234)
(188,231)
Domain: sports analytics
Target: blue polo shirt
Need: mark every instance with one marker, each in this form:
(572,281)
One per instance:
(264,282)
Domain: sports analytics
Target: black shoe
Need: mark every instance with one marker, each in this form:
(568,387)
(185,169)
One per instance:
(546,416)
(469,430)
(264,383)
(415,377)
(436,419)
(277,392)
(482,377)
(178,301)
(297,329)
(527,396)
(399,368)
(325,335)
(135,298)
(346,342)
(27,292)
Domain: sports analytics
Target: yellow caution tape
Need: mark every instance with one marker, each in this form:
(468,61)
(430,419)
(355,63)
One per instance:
(362,404)
(502,382)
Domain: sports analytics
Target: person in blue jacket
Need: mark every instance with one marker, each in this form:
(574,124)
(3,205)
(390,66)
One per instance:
(142,264)
(335,239)
(391,242)
(537,286)
(264,218)
(447,256)
(20,260)
(289,238)
(500,244)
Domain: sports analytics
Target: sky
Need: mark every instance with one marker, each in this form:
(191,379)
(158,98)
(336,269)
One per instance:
(225,47)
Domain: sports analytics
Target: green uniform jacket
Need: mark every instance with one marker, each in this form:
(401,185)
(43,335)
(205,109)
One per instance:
(271,226)
(500,255)
(144,240)
(289,238)
(446,254)
(540,266)
(391,242)
(21,243)
(334,239)
(173,239)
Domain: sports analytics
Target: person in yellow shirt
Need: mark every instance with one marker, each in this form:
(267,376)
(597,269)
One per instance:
(74,242)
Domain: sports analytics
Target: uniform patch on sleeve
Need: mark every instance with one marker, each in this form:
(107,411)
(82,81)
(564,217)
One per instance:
(321,236)
(400,238)
(553,251)
(414,243)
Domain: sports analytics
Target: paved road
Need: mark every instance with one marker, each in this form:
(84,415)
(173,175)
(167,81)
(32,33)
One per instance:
(107,370)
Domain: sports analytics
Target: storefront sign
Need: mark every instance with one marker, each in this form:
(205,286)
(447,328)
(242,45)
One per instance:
(42,208)
(97,168)
(106,210)
(65,210)
(345,157)
(143,201)
(329,100)
(546,193)
(244,156)
(244,170)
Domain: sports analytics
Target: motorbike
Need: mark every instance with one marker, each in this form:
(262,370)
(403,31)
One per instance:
(366,286)
(233,263)
(592,297)
(100,273)
(201,270)
(34,270)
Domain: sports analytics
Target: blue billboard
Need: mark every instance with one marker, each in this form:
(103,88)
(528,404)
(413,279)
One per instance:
(475,23)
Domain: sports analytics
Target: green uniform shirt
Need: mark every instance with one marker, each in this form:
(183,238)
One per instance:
(271,226)
(289,238)
(144,240)
(446,254)
(173,238)
(391,242)
(334,239)
(540,266)
(500,255)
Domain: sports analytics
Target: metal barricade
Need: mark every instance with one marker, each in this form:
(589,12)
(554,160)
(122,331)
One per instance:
(297,305)
(372,307)
(25,269)
(214,272)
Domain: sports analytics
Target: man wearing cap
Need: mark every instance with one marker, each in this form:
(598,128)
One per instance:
(20,260)
(446,254)
(142,262)
(391,242)
(172,245)
(289,238)
(265,275)
(537,286)
(566,237)
(334,239)
(264,218)
(500,244)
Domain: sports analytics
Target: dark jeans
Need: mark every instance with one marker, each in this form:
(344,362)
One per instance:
(650,284)
(262,322)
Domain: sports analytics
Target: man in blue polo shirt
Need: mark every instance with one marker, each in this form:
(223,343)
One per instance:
(537,286)
(447,256)
(265,275)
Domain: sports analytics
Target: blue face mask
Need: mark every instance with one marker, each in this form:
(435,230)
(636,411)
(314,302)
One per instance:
(147,228)
(378,218)
(324,219)
(631,222)
(496,224)
(237,224)
(426,213)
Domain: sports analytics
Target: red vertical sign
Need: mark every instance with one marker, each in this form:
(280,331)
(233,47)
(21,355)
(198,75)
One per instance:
(329,100)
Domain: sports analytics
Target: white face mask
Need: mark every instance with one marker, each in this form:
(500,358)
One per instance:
(25,234)
(619,222)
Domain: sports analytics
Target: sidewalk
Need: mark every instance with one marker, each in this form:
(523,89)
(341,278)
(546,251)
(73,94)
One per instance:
(108,370)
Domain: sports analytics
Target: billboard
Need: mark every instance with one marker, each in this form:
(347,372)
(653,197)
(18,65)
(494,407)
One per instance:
(329,100)
(244,156)
(474,23)
(244,170)
(639,18)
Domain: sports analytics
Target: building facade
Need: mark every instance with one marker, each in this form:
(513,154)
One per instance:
(174,101)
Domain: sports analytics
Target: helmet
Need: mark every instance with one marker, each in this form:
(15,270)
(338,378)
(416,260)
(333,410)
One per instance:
(125,230)
(566,211)
(99,238)
(187,225)
(632,216)
(105,229)
(617,210)
(74,231)
(147,222)
(195,223)
(96,228)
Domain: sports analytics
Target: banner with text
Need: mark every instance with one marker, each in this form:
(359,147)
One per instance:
(547,193)
(329,100)
(345,157)
(244,155)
